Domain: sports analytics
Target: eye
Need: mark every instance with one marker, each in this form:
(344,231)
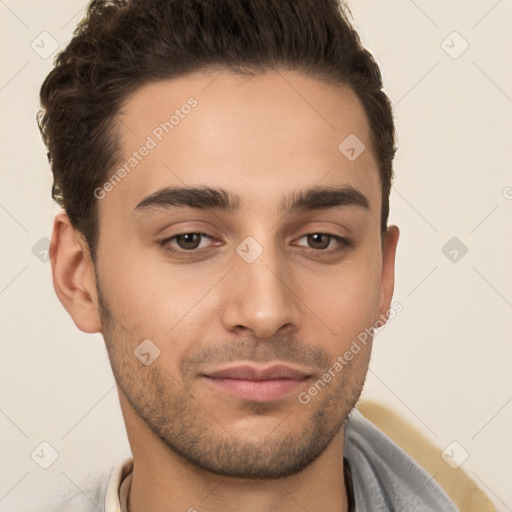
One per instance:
(322,241)
(188,244)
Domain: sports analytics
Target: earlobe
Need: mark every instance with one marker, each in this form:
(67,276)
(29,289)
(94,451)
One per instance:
(73,274)
(388,269)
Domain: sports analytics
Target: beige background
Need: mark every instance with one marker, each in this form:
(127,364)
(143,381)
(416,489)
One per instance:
(441,368)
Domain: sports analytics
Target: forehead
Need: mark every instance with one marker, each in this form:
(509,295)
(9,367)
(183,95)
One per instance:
(264,136)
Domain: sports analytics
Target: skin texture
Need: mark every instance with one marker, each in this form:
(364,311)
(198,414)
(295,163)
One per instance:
(301,302)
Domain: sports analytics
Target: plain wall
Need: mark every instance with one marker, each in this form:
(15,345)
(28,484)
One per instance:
(443,365)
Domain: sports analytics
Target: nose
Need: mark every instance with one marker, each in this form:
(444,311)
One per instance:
(261,297)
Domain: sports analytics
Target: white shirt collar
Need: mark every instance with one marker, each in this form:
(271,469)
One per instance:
(118,486)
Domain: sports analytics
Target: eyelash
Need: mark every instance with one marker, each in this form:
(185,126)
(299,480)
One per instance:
(164,244)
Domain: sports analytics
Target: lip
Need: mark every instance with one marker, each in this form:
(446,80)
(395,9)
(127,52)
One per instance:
(252,372)
(261,384)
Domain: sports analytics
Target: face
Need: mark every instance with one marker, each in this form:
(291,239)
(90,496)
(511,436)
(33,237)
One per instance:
(247,290)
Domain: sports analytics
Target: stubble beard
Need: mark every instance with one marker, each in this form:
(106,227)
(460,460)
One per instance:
(184,425)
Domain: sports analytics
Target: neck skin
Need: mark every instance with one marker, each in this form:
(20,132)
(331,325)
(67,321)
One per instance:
(163,481)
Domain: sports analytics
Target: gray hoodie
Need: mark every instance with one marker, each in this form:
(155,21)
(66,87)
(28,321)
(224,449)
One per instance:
(385,478)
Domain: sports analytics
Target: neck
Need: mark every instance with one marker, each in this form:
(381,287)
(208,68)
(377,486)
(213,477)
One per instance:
(164,481)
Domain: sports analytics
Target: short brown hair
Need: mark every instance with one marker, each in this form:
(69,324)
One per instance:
(121,45)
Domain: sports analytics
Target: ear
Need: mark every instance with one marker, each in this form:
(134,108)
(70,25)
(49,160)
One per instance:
(387,284)
(74,280)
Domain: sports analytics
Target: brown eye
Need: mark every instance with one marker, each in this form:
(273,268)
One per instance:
(188,241)
(318,240)
(322,241)
(185,244)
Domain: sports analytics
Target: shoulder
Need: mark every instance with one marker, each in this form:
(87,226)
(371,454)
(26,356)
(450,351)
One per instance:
(385,476)
(72,490)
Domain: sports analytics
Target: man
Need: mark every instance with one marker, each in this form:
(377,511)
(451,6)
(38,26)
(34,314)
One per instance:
(225,168)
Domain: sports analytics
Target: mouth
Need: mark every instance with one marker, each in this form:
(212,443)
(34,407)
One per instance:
(250,382)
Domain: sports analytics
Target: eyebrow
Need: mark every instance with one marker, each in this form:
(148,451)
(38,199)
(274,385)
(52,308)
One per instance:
(219,199)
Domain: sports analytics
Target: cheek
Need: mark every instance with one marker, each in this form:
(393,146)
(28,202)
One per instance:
(345,297)
(150,297)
